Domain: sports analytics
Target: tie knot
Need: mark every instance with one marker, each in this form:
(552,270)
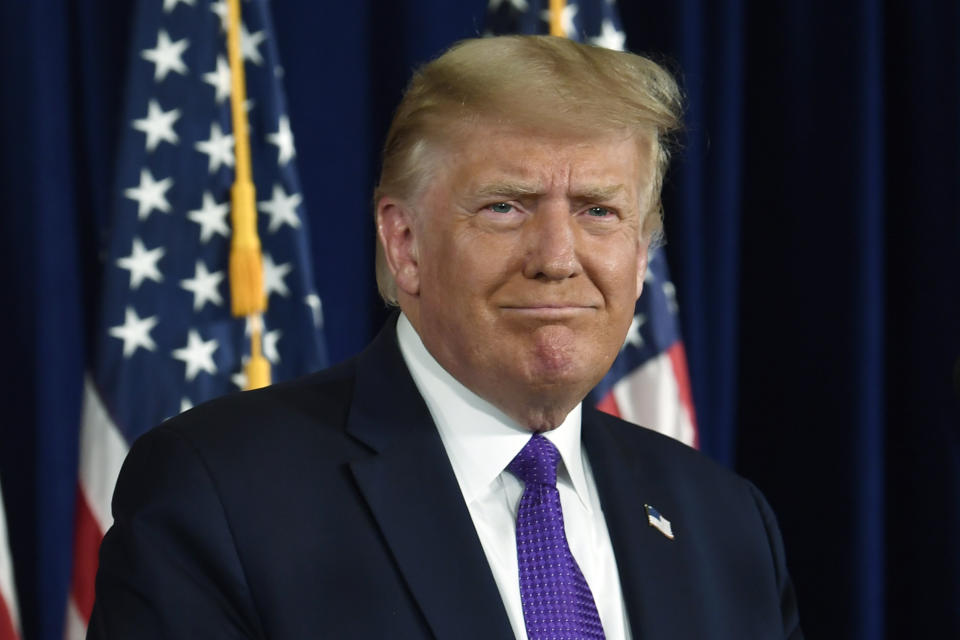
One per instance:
(536,462)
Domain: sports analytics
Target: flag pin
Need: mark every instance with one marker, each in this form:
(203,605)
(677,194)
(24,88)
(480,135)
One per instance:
(658,522)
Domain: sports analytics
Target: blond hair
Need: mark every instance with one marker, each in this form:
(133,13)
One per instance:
(542,82)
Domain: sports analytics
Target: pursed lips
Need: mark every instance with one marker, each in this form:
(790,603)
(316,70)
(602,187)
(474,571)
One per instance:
(549,310)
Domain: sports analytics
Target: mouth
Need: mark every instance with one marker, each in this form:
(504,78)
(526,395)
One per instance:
(548,311)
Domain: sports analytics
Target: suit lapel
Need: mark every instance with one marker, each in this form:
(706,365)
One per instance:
(410,487)
(646,559)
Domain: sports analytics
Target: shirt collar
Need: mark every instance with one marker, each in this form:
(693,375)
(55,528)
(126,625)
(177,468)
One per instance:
(479,438)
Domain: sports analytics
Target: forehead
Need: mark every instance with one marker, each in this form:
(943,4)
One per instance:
(484,156)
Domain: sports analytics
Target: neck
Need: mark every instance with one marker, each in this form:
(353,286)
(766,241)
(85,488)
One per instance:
(536,414)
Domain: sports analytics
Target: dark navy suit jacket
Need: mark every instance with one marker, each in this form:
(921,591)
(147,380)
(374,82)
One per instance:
(327,508)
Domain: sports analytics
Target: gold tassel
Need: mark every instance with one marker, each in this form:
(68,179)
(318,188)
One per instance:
(258,367)
(246,260)
(247,295)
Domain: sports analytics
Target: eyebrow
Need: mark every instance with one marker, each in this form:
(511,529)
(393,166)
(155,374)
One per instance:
(518,190)
(507,190)
(599,194)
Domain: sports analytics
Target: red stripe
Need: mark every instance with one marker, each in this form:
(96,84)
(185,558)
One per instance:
(86,545)
(7,632)
(678,358)
(609,404)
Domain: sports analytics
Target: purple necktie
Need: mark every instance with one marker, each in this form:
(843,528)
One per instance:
(557,603)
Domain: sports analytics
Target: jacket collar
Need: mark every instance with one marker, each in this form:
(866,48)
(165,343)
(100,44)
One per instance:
(413,494)
(629,476)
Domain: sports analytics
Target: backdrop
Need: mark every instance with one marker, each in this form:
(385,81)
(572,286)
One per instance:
(813,220)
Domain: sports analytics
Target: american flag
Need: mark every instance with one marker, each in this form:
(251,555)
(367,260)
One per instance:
(9,615)
(658,522)
(648,383)
(166,339)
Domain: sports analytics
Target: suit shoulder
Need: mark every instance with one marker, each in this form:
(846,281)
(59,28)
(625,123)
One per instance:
(669,458)
(306,407)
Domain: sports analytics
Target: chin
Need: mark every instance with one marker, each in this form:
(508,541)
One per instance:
(559,353)
(561,378)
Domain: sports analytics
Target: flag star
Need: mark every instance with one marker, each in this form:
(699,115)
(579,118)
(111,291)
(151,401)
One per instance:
(273,275)
(170,5)
(135,332)
(270,339)
(249,43)
(281,208)
(204,286)
(218,147)
(142,264)
(610,37)
(219,79)
(633,333)
(240,378)
(211,217)
(283,138)
(316,307)
(185,404)
(566,19)
(158,125)
(197,355)
(670,292)
(150,194)
(166,56)
(219,7)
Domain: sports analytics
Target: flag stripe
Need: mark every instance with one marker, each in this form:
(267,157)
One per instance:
(678,359)
(102,451)
(7,629)
(650,396)
(9,617)
(75,627)
(87,536)
(608,404)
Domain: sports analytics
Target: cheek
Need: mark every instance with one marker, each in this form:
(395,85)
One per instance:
(455,272)
(616,273)
(479,262)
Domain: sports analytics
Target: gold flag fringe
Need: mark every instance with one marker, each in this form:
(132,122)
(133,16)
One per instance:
(247,296)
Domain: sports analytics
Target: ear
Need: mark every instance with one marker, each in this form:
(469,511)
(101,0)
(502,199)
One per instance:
(642,256)
(396,231)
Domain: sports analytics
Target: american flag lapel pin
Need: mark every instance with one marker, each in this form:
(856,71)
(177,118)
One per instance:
(658,522)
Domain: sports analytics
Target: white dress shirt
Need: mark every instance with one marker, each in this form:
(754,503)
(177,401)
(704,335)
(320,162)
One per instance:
(480,441)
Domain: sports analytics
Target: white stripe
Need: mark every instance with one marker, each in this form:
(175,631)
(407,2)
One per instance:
(74,626)
(102,451)
(650,396)
(7,591)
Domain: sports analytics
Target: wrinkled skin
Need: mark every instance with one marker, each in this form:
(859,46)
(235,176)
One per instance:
(520,263)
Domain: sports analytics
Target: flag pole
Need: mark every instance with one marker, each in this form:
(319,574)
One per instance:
(247,296)
(556,18)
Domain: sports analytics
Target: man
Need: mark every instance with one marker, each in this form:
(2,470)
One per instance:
(447,482)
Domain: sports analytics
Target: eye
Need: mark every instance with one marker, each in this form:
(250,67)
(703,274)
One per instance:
(598,212)
(501,207)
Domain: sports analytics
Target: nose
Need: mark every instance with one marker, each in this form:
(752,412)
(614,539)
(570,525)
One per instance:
(551,244)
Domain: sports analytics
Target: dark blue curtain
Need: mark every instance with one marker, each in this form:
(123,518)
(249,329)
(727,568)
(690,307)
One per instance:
(813,219)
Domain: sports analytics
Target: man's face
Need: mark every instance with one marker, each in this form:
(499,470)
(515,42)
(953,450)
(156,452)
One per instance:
(526,259)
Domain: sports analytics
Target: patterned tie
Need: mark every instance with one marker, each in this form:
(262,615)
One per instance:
(557,603)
